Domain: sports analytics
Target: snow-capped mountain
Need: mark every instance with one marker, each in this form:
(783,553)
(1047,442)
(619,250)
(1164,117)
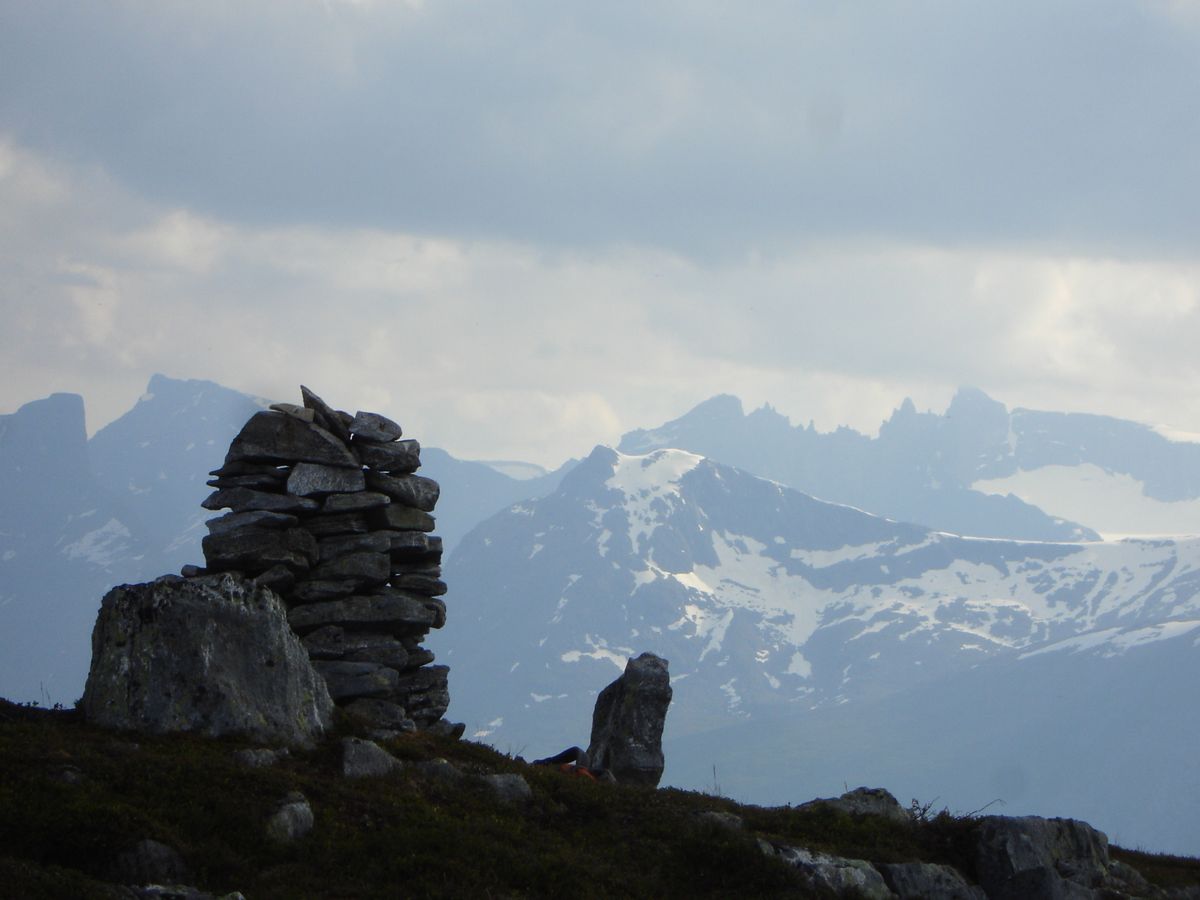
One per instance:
(978,469)
(771,606)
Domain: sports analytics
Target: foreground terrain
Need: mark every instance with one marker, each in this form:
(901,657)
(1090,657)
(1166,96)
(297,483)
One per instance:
(75,800)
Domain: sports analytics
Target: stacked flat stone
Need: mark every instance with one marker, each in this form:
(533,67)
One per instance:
(328,513)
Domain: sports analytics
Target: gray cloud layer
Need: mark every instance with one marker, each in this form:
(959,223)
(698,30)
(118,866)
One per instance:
(524,227)
(704,126)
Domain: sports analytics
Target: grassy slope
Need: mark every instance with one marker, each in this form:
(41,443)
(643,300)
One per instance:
(403,835)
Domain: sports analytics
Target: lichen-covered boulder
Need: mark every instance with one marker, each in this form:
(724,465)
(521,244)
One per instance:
(627,722)
(212,655)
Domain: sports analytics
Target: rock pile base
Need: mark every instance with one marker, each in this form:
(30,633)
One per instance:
(327,511)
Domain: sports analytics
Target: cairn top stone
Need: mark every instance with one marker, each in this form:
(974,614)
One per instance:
(368,426)
(274,436)
(326,416)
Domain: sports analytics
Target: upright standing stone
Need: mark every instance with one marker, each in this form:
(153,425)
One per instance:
(627,723)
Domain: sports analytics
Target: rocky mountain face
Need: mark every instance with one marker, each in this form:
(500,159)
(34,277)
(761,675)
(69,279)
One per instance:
(776,608)
(925,467)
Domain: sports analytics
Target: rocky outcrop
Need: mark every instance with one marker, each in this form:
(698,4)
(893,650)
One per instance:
(834,875)
(864,801)
(627,722)
(327,510)
(928,881)
(212,655)
(1032,857)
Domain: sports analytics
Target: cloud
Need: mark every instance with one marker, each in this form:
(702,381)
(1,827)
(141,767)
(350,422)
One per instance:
(691,127)
(506,349)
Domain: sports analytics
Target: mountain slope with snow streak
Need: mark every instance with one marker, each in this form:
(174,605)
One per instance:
(763,598)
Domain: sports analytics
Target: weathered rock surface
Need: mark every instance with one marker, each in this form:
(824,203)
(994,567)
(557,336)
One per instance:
(408,490)
(258,549)
(150,862)
(212,655)
(366,759)
(398,458)
(325,415)
(347,680)
(1031,857)
(509,788)
(864,801)
(292,821)
(627,722)
(271,436)
(842,877)
(394,610)
(244,499)
(368,426)
(309,479)
(254,519)
(928,881)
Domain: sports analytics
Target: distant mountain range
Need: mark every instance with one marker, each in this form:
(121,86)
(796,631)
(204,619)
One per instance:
(777,611)
(811,642)
(955,471)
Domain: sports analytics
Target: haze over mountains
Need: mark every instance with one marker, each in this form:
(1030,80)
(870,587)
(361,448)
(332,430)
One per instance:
(811,642)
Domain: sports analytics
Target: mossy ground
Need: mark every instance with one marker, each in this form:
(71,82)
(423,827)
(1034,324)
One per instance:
(72,797)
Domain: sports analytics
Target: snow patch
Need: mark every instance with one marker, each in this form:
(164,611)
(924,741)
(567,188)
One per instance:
(101,546)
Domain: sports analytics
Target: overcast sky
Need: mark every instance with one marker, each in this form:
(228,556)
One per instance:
(524,228)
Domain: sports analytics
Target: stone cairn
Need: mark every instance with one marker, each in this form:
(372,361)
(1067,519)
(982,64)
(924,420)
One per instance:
(327,513)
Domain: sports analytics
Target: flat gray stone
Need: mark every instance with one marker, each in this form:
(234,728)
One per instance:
(380,713)
(356,502)
(390,609)
(309,591)
(343,545)
(402,518)
(399,457)
(356,679)
(273,482)
(311,479)
(335,642)
(249,500)
(416,491)
(369,426)
(278,578)
(270,436)
(324,525)
(419,584)
(259,549)
(363,569)
(259,518)
(366,759)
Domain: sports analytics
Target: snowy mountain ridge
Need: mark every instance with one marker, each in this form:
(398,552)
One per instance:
(712,567)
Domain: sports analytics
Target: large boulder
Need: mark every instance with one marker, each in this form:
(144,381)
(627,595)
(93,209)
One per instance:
(1031,857)
(627,723)
(212,655)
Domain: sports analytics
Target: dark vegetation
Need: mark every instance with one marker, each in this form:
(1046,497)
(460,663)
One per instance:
(73,797)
